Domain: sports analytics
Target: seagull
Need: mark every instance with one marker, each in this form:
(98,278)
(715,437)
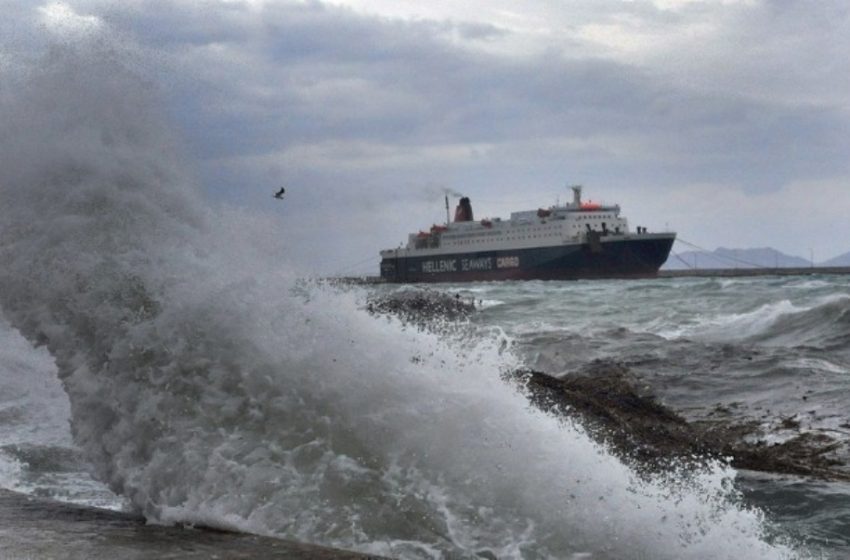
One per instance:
(279,194)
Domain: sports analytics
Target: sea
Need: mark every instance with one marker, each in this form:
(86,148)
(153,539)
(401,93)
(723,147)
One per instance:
(369,433)
(159,355)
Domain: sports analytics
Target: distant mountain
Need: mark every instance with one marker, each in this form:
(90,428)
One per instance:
(765,257)
(840,260)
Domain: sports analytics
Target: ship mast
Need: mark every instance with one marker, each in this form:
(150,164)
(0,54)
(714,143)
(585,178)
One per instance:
(448,218)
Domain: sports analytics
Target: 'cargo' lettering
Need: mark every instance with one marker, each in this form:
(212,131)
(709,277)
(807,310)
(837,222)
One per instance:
(507,262)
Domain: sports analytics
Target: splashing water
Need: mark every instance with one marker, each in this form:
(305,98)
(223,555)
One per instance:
(207,386)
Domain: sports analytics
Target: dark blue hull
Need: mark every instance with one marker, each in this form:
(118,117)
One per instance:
(628,257)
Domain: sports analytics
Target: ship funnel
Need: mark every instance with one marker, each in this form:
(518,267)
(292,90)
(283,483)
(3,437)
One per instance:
(463,212)
(576,195)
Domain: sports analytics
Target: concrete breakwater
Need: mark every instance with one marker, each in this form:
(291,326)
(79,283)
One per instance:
(684,273)
(761,271)
(32,527)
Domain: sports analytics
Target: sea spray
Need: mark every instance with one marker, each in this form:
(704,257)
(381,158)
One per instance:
(207,385)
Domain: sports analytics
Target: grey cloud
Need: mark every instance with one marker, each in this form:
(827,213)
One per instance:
(407,84)
(417,89)
(480,31)
(248,86)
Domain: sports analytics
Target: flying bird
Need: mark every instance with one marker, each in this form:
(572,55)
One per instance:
(279,194)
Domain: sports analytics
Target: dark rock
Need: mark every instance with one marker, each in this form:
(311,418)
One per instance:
(415,304)
(651,437)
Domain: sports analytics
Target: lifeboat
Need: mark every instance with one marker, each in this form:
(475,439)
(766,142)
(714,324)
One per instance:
(423,234)
(486,223)
(586,206)
(543,213)
(438,229)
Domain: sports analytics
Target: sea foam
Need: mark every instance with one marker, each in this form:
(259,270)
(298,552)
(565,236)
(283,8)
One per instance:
(207,384)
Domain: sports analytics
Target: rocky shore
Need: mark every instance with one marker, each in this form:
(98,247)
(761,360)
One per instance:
(418,305)
(614,406)
(616,411)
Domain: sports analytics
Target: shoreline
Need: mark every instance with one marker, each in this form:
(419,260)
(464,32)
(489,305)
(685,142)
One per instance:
(621,412)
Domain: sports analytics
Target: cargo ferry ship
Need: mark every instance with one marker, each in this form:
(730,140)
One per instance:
(579,239)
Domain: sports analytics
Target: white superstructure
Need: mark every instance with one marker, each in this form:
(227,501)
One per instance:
(556,225)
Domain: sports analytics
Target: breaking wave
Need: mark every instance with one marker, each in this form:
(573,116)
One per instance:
(823,323)
(826,324)
(208,385)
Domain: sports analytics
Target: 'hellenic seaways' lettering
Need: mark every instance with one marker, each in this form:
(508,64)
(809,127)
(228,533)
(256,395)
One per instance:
(482,263)
(466,265)
(432,267)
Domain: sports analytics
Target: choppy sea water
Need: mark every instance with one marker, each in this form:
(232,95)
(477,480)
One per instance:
(769,348)
(765,349)
(159,354)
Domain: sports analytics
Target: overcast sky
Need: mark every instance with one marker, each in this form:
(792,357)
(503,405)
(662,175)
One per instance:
(727,121)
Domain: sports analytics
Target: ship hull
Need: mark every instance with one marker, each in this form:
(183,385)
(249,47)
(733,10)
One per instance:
(607,257)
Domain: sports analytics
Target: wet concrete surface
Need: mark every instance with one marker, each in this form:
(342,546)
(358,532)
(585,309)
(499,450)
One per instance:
(36,528)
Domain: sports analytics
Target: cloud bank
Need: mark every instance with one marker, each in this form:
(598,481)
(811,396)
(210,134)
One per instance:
(727,121)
